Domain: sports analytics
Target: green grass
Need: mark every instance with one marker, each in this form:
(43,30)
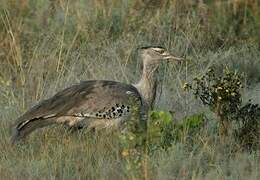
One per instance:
(46,46)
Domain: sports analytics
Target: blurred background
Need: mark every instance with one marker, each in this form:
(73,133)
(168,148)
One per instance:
(47,45)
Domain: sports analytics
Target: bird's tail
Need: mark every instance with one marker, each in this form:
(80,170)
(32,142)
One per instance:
(23,128)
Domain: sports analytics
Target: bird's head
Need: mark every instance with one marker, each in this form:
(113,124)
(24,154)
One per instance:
(157,54)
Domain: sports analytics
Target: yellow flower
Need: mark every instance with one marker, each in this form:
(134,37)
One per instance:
(131,138)
(219,98)
(185,85)
(233,94)
(125,153)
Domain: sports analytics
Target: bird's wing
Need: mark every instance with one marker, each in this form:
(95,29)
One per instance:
(89,98)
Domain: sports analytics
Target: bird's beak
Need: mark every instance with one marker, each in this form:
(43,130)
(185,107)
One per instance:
(168,56)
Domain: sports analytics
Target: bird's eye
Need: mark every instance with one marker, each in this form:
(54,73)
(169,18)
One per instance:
(162,51)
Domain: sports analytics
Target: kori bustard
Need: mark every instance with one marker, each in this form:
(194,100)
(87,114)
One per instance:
(97,103)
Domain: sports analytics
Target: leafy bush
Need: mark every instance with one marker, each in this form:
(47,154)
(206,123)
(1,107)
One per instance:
(162,132)
(222,95)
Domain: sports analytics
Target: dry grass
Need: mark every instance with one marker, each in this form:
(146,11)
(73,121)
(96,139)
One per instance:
(46,46)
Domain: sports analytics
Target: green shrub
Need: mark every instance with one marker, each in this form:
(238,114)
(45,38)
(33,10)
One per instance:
(222,95)
(162,132)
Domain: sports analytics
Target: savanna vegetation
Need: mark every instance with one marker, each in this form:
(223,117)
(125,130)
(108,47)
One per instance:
(205,124)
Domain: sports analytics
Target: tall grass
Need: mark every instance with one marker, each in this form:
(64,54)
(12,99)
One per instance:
(46,46)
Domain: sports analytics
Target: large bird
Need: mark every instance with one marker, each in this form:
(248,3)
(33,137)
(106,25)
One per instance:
(98,104)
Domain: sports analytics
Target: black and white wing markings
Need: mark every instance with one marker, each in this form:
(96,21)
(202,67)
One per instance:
(114,112)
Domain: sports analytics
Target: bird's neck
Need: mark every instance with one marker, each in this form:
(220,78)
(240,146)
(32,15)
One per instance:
(148,83)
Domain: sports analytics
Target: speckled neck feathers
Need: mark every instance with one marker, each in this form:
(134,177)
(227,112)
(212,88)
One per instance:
(148,83)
